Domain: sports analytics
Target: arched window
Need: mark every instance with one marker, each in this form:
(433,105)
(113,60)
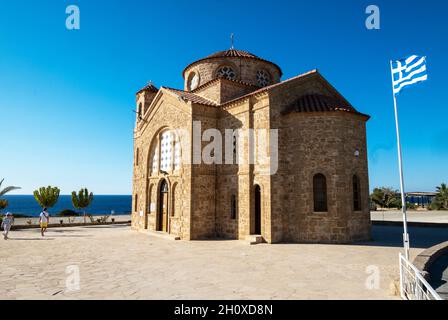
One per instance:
(233,207)
(177,154)
(193,81)
(320,193)
(155,160)
(165,153)
(356,193)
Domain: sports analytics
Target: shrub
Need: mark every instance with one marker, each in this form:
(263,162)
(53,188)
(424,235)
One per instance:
(47,197)
(82,200)
(411,206)
(435,205)
(68,213)
(3,204)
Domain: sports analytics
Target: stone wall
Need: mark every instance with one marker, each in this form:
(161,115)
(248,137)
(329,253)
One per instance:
(326,144)
(312,143)
(167,113)
(203,218)
(223,90)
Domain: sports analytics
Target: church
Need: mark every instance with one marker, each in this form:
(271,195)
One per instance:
(318,191)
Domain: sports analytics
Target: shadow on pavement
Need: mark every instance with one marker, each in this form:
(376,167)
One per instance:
(30,239)
(439,276)
(420,237)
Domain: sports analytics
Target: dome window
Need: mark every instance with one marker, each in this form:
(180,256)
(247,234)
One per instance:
(193,81)
(227,73)
(263,78)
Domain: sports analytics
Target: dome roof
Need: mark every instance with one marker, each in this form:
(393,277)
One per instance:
(231,53)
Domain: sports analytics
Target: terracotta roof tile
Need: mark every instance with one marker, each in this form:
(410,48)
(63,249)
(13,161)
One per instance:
(231,53)
(149,87)
(319,103)
(191,97)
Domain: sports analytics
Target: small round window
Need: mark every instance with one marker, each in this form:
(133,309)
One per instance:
(226,72)
(263,78)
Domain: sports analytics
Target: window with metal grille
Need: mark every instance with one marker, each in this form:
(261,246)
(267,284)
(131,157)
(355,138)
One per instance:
(263,78)
(227,73)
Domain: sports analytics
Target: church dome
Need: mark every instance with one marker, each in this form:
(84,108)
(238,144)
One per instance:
(231,64)
(232,53)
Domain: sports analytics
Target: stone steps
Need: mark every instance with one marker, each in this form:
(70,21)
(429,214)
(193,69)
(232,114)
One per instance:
(254,239)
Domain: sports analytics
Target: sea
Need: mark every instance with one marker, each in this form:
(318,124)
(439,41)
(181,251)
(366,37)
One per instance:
(26,205)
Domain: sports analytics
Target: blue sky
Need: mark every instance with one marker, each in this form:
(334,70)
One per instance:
(66,97)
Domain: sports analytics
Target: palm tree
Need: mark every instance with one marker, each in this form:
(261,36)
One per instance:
(377,197)
(47,197)
(4,202)
(82,200)
(442,195)
(386,197)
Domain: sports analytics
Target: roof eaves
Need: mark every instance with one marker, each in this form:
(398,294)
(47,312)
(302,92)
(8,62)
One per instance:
(238,82)
(188,96)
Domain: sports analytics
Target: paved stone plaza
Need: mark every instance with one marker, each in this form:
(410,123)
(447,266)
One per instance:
(115,263)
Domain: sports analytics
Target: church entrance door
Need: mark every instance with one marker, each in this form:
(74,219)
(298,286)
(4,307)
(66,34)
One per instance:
(163,208)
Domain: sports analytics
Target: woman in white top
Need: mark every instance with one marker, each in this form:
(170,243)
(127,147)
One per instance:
(44,220)
(6,224)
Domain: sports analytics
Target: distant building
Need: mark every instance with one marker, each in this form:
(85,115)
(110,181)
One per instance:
(320,192)
(421,199)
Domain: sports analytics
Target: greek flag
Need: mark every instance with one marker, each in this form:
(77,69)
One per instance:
(408,71)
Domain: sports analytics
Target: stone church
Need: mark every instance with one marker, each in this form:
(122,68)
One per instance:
(319,192)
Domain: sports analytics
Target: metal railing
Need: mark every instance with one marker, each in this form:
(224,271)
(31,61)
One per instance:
(413,285)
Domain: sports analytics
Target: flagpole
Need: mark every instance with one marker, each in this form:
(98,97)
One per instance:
(400,166)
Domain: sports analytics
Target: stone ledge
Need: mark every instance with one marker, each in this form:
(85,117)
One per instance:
(254,239)
(410,224)
(424,261)
(71,225)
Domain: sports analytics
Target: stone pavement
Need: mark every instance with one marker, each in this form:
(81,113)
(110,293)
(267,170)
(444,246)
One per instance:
(117,263)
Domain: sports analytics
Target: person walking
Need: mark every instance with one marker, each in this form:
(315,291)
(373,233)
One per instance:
(6,224)
(44,220)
